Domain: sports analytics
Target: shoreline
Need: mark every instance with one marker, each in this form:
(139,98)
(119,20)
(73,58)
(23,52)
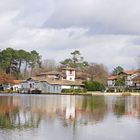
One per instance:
(83,94)
(117,93)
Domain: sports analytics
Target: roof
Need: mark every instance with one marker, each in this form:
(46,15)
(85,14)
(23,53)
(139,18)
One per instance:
(68,68)
(127,72)
(50,73)
(66,82)
(130,72)
(34,78)
(113,77)
(57,82)
(18,81)
(62,82)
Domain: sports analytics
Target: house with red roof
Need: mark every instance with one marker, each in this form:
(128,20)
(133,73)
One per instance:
(131,80)
(111,80)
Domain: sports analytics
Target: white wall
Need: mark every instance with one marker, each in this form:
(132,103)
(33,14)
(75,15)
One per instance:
(70,87)
(16,87)
(70,75)
(65,87)
(111,83)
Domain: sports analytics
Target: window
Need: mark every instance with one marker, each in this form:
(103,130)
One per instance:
(70,71)
(44,85)
(54,88)
(30,85)
(48,89)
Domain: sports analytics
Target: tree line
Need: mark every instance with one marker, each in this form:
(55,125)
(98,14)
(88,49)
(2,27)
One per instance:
(22,64)
(14,61)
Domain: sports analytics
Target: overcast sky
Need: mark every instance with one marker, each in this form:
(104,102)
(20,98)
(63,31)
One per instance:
(105,31)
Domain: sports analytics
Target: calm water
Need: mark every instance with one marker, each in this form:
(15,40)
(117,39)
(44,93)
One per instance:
(52,117)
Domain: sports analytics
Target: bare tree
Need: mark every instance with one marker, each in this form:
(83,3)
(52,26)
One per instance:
(97,72)
(49,65)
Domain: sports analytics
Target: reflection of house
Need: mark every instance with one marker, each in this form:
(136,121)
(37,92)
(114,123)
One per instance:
(70,107)
(53,81)
(131,79)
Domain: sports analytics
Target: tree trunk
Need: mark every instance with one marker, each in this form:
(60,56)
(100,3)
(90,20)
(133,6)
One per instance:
(25,69)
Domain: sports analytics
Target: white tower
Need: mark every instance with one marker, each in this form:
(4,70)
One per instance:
(70,73)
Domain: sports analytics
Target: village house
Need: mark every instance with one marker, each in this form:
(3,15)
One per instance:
(131,80)
(53,81)
(111,80)
(35,84)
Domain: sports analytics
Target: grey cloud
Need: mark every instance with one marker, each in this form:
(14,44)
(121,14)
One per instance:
(136,41)
(108,16)
(103,30)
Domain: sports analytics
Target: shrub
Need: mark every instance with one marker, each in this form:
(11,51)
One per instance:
(73,90)
(93,86)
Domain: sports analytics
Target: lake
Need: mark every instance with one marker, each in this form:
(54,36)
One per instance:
(65,117)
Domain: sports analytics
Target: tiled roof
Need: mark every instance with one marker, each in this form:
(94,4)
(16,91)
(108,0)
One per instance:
(34,78)
(50,73)
(130,72)
(68,68)
(63,82)
(112,77)
(57,82)
(127,72)
(18,81)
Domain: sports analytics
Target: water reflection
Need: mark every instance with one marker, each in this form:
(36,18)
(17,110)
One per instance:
(76,117)
(27,111)
(12,116)
(124,106)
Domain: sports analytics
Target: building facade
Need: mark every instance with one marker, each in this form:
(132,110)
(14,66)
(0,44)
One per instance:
(130,79)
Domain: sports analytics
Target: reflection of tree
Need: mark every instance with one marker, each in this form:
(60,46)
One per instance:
(119,107)
(93,107)
(6,121)
(129,106)
(136,106)
(12,117)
